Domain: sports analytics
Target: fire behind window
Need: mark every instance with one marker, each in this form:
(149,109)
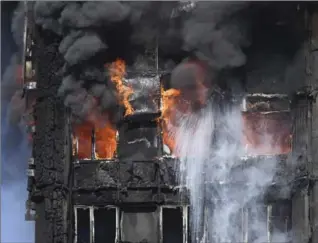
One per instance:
(94,142)
(267,124)
(266,121)
(266,129)
(181,98)
(267,134)
(137,94)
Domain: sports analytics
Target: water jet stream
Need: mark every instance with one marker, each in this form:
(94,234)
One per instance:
(209,146)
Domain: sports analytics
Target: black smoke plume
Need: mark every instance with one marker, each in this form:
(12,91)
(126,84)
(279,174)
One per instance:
(211,32)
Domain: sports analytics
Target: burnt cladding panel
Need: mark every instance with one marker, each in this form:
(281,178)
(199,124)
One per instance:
(49,143)
(50,115)
(138,132)
(138,140)
(146,95)
(300,216)
(314,137)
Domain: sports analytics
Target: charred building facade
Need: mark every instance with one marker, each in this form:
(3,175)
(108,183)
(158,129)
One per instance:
(110,175)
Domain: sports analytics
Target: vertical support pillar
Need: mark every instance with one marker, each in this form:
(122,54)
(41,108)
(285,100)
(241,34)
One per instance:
(245,224)
(160,226)
(52,146)
(93,156)
(92,224)
(269,223)
(314,212)
(75,226)
(312,77)
(117,238)
(185,222)
(300,216)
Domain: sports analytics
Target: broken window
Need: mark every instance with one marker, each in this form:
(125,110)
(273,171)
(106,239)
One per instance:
(131,224)
(138,129)
(266,124)
(174,224)
(82,225)
(280,221)
(257,224)
(96,225)
(82,141)
(270,223)
(105,225)
(94,141)
(140,225)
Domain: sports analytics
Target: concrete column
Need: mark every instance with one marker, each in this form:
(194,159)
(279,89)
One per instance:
(300,217)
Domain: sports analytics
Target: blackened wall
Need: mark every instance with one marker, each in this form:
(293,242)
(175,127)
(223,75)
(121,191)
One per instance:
(50,143)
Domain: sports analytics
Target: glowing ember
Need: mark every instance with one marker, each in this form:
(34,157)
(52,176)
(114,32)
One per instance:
(266,134)
(117,73)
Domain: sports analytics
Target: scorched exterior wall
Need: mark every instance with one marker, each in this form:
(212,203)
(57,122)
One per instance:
(60,183)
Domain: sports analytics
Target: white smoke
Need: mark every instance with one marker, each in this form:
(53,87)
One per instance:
(220,186)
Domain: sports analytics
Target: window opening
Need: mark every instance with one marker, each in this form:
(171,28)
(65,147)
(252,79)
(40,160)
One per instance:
(139,224)
(105,225)
(96,225)
(92,142)
(174,224)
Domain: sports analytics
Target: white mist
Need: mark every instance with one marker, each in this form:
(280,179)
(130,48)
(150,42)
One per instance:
(221,192)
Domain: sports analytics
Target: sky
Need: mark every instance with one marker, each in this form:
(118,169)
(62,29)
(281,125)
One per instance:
(14,153)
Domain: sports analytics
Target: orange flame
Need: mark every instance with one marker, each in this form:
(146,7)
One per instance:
(106,143)
(83,134)
(105,140)
(117,73)
(263,134)
(184,100)
(169,102)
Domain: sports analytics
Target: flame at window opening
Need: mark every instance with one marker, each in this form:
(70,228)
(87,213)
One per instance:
(105,141)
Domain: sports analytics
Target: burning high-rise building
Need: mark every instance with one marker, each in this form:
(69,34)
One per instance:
(168,122)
